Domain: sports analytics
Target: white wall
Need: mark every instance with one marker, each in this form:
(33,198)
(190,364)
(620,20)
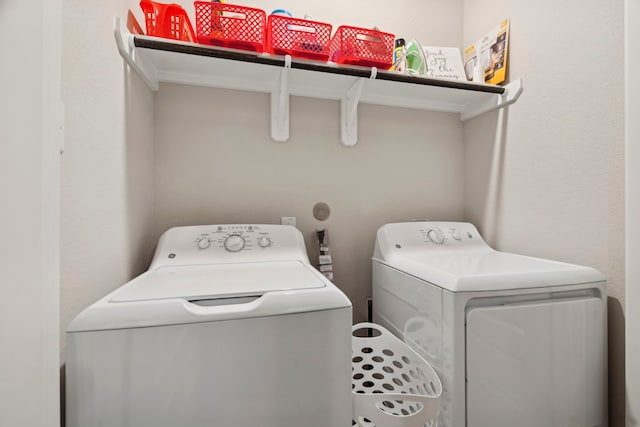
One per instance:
(546,178)
(30,139)
(108,172)
(559,192)
(107,168)
(109,223)
(216,163)
(632,290)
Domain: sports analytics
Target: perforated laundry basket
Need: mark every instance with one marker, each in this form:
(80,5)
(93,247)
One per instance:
(392,385)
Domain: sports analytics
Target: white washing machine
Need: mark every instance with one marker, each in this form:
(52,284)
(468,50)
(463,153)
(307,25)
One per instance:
(517,341)
(230,327)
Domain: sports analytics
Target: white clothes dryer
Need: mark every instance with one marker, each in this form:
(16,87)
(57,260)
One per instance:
(230,327)
(516,340)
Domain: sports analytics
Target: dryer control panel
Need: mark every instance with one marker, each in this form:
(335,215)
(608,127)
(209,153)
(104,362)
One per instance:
(213,244)
(448,233)
(429,237)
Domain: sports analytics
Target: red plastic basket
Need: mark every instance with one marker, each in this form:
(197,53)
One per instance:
(361,46)
(227,25)
(298,37)
(167,20)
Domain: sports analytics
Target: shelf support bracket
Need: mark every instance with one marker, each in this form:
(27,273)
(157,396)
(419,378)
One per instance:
(124,41)
(349,111)
(280,105)
(511,94)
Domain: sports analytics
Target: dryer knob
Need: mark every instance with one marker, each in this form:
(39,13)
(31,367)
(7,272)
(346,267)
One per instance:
(435,236)
(234,243)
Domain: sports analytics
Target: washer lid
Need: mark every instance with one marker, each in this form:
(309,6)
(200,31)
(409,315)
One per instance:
(218,281)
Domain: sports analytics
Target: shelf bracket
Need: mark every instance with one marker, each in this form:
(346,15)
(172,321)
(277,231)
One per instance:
(511,94)
(124,41)
(280,104)
(349,111)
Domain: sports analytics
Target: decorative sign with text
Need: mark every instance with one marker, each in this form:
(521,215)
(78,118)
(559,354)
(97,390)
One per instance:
(444,63)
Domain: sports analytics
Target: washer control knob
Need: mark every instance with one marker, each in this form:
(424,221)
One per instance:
(203,243)
(264,242)
(455,234)
(436,236)
(234,243)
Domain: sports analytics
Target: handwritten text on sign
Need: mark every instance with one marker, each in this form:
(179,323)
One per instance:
(444,62)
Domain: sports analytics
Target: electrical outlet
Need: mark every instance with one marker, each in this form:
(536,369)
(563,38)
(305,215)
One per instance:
(288,220)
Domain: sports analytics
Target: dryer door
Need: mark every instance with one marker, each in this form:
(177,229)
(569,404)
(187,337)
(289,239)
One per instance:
(537,364)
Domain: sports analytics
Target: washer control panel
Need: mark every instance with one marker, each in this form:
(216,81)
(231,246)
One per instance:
(229,243)
(234,238)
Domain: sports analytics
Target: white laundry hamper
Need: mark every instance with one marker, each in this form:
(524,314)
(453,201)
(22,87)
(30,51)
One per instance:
(392,386)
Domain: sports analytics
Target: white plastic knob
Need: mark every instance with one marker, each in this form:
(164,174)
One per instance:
(204,243)
(264,242)
(234,243)
(435,236)
(455,234)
